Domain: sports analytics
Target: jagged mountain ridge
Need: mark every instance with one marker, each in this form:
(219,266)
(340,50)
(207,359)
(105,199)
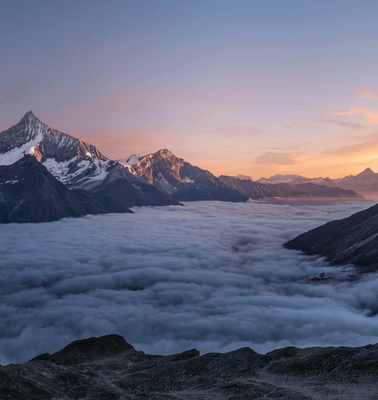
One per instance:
(72,161)
(181,180)
(260,191)
(110,368)
(77,164)
(29,193)
(352,240)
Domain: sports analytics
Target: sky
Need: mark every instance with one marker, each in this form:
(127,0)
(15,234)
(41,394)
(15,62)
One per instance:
(209,275)
(253,87)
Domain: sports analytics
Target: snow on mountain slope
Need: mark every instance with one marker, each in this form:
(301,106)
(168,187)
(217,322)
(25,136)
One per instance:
(78,165)
(11,156)
(21,139)
(130,161)
(71,161)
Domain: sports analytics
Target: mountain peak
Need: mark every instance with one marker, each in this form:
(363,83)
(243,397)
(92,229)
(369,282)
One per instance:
(164,152)
(366,173)
(29,116)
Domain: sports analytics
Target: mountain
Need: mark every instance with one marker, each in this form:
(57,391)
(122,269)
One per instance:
(129,161)
(72,161)
(77,164)
(110,368)
(244,177)
(352,240)
(29,193)
(365,181)
(278,178)
(259,191)
(181,180)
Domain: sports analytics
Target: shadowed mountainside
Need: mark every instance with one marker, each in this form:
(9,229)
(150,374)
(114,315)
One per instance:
(352,240)
(29,193)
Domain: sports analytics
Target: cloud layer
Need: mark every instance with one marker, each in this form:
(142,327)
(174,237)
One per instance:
(208,275)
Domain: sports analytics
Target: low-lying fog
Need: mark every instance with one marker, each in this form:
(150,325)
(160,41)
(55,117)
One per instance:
(209,275)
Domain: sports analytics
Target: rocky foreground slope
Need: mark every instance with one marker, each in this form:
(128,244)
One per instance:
(352,240)
(108,368)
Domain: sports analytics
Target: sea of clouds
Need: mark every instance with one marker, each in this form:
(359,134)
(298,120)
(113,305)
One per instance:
(209,275)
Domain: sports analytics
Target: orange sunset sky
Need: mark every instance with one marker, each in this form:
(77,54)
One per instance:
(236,87)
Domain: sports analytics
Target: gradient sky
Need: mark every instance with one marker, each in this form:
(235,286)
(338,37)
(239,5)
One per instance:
(239,86)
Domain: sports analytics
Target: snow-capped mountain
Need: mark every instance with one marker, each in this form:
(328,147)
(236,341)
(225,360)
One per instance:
(77,164)
(278,178)
(129,161)
(244,177)
(182,180)
(72,161)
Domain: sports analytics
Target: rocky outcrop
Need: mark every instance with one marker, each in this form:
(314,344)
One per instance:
(352,240)
(109,368)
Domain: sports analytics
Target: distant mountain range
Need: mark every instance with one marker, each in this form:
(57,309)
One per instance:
(259,191)
(365,181)
(159,178)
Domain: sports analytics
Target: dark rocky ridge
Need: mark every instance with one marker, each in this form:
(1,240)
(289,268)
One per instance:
(29,193)
(108,368)
(352,240)
(260,191)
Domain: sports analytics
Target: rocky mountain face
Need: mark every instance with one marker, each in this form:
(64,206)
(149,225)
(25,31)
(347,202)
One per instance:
(365,181)
(72,161)
(109,368)
(259,191)
(181,180)
(78,165)
(352,240)
(29,193)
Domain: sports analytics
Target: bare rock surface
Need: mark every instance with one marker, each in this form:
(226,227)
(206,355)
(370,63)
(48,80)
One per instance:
(109,368)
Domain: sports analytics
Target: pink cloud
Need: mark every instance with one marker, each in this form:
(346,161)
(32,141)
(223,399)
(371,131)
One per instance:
(276,158)
(354,126)
(367,92)
(370,115)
